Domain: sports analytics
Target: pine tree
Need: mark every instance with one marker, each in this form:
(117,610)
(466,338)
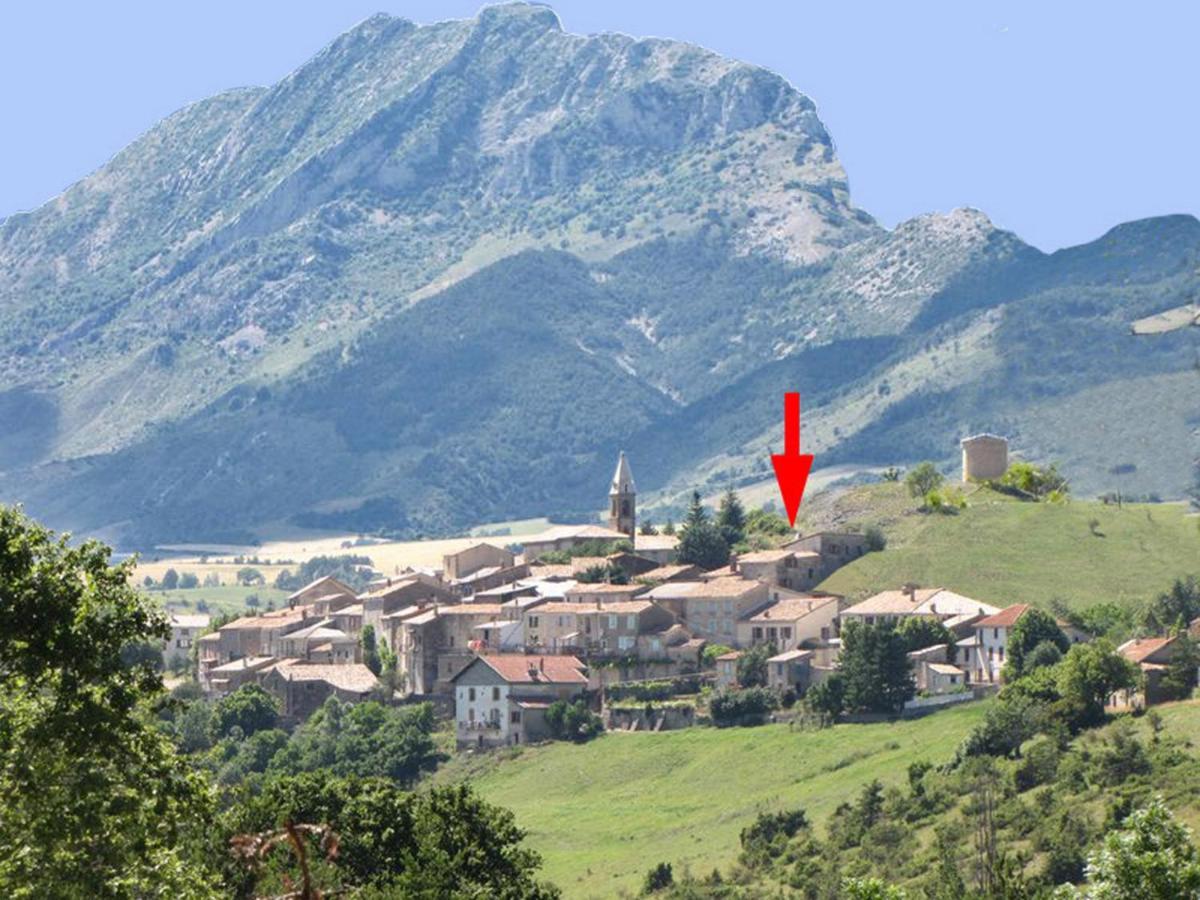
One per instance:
(731,518)
(701,543)
(874,661)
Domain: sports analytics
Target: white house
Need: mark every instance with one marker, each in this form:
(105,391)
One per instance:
(502,699)
(184,631)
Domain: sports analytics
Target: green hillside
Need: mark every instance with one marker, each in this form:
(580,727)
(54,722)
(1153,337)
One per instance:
(1005,551)
(604,812)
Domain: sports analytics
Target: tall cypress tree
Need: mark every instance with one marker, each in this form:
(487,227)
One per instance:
(731,518)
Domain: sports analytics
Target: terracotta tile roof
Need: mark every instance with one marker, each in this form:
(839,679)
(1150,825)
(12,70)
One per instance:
(765,556)
(791,608)
(891,603)
(576,532)
(617,606)
(726,586)
(564,570)
(666,573)
(945,669)
(490,610)
(326,586)
(655,542)
(732,654)
(267,620)
(517,668)
(560,608)
(1140,649)
(790,655)
(1006,618)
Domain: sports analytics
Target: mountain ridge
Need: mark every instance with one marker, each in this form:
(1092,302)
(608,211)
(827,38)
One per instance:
(689,211)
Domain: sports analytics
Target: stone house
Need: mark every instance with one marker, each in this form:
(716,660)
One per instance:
(592,594)
(1153,657)
(502,699)
(711,609)
(301,687)
(466,562)
(227,677)
(727,677)
(320,642)
(834,549)
(789,622)
(940,603)
(413,589)
(249,636)
(790,670)
(662,548)
(795,570)
(325,594)
(567,537)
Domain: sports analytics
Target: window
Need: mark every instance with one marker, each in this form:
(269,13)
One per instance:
(756,633)
(631,623)
(515,718)
(625,642)
(614,622)
(471,694)
(772,633)
(470,714)
(785,633)
(495,693)
(810,573)
(533,621)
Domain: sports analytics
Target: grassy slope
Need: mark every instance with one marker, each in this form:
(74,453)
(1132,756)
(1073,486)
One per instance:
(605,812)
(1006,551)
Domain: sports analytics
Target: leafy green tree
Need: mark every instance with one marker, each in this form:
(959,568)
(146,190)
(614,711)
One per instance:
(752,666)
(875,538)
(170,580)
(731,518)
(871,889)
(248,575)
(828,697)
(669,528)
(1151,858)
(749,706)
(1034,627)
(188,580)
(96,801)
(249,708)
(1042,656)
(443,842)
(1092,672)
(923,479)
(767,523)
(712,651)
(648,528)
(370,650)
(1036,481)
(572,721)
(874,662)
(919,632)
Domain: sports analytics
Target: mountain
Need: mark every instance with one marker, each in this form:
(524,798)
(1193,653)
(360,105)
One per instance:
(439,274)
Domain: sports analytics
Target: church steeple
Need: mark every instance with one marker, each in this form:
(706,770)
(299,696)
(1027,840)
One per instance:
(622,497)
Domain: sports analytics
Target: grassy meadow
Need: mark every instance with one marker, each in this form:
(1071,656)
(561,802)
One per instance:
(603,813)
(1003,550)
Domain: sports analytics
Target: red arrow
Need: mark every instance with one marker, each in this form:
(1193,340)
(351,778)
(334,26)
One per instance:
(791,466)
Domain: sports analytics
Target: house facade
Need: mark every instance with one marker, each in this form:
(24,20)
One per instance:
(502,699)
(789,622)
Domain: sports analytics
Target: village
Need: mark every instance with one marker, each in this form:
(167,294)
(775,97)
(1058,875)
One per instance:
(608,619)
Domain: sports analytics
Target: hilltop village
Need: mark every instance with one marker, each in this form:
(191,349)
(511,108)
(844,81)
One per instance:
(600,617)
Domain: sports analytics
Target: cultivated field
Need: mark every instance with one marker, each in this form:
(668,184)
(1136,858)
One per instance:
(605,812)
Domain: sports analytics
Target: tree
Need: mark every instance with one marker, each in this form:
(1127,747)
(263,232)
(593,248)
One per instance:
(658,879)
(97,802)
(875,538)
(871,889)
(924,478)
(874,661)
(828,697)
(752,666)
(701,543)
(1182,601)
(1151,858)
(919,632)
(148,582)
(1034,627)
(248,575)
(648,528)
(767,523)
(572,721)
(370,650)
(1090,673)
(249,708)
(443,842)
(1042,656)
(669,528)
(1036,481)
(731,519)
(1179,680)
(188,580)
(170,580)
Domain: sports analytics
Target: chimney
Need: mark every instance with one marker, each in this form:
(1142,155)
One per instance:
(541,664)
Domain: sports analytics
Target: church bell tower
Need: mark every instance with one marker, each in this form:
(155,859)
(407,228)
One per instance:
(622,499)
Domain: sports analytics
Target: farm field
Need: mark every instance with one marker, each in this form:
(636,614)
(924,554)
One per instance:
(603,813)
(227,598)
(1004,551)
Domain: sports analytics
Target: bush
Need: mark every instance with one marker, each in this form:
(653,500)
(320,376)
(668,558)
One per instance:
(750,706)
(924,479)
(658,879)
(876,539)
(828,697)
(572,721)
(249,708)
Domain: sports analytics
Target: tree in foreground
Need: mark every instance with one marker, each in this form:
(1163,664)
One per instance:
(752,666)
(1151,858)
(96,801)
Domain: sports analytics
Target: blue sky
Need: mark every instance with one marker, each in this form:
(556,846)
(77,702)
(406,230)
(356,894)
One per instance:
(1059,120)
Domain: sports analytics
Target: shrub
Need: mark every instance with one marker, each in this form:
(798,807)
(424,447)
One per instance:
(876,539)
(658,879)
(749,706)
(572,721)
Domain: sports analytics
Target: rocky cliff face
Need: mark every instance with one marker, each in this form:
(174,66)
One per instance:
(211,304)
